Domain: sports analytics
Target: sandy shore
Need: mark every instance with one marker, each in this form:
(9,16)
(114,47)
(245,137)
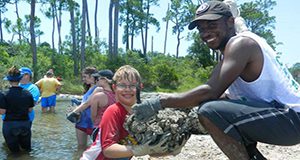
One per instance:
(201,147)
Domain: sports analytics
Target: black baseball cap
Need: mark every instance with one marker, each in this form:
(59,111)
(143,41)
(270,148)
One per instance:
(211,10)
(104,73)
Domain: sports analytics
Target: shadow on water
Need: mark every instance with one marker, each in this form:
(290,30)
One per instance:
(53,137)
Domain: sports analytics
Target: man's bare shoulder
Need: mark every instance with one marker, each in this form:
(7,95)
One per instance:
(241,41)
(241,46)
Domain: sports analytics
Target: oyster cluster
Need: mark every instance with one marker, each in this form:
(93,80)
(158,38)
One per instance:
(179,124)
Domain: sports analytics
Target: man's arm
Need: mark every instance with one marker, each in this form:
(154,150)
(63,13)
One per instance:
(239,59)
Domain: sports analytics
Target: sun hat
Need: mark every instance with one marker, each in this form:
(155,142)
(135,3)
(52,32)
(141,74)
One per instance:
(104,73)
(13,77)
(211,10)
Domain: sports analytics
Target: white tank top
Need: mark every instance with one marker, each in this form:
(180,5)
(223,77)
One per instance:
(274,83)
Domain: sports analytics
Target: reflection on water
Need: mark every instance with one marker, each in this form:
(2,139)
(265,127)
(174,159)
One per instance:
(53,137)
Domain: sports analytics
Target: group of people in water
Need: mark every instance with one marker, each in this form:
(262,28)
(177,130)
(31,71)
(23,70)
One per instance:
(249,98)
(16,105)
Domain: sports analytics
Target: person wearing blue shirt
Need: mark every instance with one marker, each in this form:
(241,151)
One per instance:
(32,88)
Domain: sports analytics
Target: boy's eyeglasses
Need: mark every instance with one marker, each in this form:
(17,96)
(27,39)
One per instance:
(124,86)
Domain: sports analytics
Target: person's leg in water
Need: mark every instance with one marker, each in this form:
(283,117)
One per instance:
(52,103)
(52,109)
(10,136)
(25,137)
(82,139)
(44,104)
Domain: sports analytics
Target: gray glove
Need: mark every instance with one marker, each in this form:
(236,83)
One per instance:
(73,117)
(148,148)
(146,109)
(178,147)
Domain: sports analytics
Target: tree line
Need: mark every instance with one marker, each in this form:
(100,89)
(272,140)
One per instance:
(81,48)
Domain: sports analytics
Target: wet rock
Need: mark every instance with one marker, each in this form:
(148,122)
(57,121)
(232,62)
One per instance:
(179,123)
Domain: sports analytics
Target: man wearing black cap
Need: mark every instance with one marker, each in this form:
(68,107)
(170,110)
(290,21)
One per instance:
(250,96)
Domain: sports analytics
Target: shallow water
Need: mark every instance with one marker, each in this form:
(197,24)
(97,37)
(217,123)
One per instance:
(53,137)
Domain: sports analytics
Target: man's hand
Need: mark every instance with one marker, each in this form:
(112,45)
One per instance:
(146,109)
(73,117)
(148,148)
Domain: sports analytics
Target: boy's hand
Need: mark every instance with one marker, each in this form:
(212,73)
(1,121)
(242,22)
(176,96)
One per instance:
(178,147)
(73,117)
(148,148)
(146,109)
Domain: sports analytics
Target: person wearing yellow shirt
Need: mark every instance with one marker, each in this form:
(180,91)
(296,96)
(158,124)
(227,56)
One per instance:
(48,86)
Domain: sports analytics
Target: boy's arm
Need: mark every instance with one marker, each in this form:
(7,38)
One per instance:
(2,111)
(120,151)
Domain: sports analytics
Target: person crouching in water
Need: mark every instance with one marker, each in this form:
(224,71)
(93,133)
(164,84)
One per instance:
(16,102)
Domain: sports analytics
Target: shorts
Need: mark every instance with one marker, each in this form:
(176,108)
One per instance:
(17,134)
(88,131)
(250,122)
(48,101)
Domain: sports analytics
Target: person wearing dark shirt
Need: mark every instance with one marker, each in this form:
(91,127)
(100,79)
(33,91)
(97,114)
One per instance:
(15,103)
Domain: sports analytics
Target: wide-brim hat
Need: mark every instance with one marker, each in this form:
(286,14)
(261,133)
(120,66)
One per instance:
(15,78)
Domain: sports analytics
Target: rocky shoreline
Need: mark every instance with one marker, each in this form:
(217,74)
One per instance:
(67,97)
(202,147)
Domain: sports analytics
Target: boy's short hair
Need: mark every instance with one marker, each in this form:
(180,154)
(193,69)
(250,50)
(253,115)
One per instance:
(128,73)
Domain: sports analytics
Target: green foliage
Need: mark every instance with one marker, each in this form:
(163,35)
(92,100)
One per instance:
(258,19)
(199,52)
(4,56)
(295,71)
(167,77)
(136,18)
(159,72)
(72,86)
